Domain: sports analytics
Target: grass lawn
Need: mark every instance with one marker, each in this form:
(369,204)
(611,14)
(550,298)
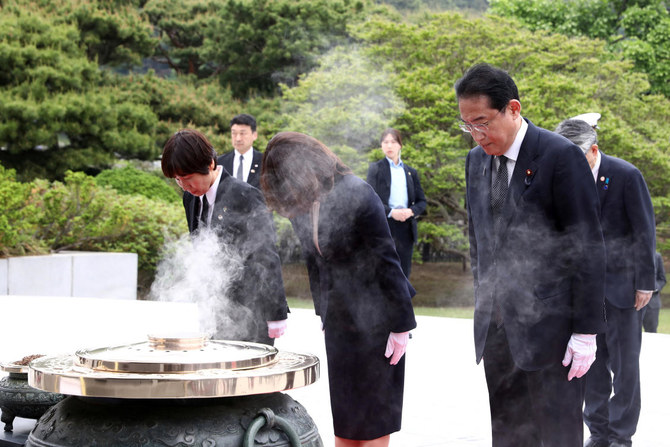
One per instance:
(466,312)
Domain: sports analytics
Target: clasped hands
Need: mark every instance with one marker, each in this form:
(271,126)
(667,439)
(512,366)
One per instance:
(581,351)
(402,214)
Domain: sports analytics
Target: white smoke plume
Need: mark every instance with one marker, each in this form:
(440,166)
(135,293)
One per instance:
(199,269)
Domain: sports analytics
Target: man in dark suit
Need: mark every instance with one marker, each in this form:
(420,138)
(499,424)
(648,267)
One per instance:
(243,163)
(403,202)
(537,257)
(650,320)
(256,305)
(627,219)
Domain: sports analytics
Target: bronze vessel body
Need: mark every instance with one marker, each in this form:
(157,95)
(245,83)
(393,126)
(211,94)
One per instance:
(18,399)
(181,392)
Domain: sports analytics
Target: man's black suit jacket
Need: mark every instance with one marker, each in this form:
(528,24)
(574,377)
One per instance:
(226,160)
(629,229)
(546,268)
(244,224)
(379,177)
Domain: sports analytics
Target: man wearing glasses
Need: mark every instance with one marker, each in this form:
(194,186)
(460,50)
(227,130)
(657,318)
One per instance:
(538,257)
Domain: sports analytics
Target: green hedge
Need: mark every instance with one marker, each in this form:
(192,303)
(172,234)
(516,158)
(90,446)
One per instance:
(77,214)
(132,181)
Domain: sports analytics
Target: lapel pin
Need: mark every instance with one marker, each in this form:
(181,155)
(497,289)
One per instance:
(220,217)
(607,183)
(602,179)
(529,176)
(252,171)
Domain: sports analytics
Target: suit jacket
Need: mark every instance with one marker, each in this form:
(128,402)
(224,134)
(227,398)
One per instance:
(226,160)
(379,177)
(356,282)
(546,267)
(244,224)
(629,229)
(655,302)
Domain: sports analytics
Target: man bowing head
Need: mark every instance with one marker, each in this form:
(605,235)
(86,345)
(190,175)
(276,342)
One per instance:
(537,257)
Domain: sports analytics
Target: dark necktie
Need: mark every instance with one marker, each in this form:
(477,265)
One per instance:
(196,213)
(499,193)
(205,211)
(239,175)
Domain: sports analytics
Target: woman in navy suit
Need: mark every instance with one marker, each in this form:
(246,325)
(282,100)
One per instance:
(356,281)
(398,186)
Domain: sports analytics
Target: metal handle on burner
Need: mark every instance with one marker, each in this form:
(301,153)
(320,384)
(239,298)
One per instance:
(267,416)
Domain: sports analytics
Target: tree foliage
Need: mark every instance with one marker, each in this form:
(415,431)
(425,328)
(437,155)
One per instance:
(58,110)
(346,104)
(638,29)
(249,45)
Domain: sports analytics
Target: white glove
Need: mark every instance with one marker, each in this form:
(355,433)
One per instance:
(276,328)
(396,345)
(581,352)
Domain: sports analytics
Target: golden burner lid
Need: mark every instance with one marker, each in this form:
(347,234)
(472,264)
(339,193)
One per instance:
(172,368)
(13,368)
(177,355)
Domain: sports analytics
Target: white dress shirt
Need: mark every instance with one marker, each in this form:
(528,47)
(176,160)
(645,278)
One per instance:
(246,163)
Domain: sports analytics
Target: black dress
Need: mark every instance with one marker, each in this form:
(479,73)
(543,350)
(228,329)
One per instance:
(362,295)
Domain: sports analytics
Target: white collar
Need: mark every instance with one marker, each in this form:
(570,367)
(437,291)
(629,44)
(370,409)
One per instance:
(211,192)
(513,151)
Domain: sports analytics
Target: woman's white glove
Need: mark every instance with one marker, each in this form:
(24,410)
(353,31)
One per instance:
(276,328)
(581,352)
(396,346)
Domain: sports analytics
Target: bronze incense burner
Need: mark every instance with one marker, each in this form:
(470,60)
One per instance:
(180,391)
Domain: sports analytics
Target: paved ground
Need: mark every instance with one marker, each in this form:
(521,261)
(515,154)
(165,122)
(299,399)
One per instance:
(445,393)
(446,402)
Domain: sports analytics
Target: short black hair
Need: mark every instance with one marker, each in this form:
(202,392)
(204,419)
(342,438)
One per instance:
(487,80)
(187,152)
(244,119)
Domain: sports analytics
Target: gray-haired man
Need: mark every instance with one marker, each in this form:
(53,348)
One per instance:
(627,220)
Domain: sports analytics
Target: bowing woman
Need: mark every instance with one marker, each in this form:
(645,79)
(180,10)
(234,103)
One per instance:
(399,188)
(356,281)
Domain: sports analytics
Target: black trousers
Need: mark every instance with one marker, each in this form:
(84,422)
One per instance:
(650,319)
(404,243)
(617,368)
(531,408)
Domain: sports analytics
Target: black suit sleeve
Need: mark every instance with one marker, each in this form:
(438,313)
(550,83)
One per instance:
(660,273)
(419,205)
(263,277)
(374,181)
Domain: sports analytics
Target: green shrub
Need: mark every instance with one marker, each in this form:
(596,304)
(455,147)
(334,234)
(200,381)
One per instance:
(80,215)
(17,217)
(131,181)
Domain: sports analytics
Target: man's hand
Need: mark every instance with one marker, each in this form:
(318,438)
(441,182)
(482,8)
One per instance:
(401,214)
(641,299)
(581,352)
(396,345)
(276,328)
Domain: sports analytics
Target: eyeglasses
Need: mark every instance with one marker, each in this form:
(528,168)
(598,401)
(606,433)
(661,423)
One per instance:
(479,127)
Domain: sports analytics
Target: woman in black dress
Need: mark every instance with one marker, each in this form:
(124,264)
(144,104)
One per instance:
(356,281)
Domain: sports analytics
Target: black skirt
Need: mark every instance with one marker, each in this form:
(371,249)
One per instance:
(366,392)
